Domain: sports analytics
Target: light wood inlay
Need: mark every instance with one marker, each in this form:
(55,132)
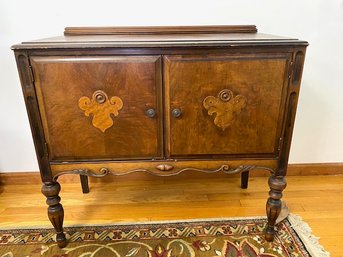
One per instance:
(101,107)
(225,107)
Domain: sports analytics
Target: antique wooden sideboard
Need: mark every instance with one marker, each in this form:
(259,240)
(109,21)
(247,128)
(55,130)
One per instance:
(162,100)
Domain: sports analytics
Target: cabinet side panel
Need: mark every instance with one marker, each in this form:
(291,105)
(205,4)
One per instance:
(292,102)
(32,108)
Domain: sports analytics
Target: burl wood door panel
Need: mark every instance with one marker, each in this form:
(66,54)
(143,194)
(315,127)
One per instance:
(225,105)
(96,107)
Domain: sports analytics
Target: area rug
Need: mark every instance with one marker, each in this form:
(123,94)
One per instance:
(241,237)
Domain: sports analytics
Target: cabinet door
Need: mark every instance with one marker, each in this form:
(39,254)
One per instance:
(225,105)
(100,107)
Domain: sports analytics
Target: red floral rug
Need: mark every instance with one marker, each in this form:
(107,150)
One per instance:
(210,238)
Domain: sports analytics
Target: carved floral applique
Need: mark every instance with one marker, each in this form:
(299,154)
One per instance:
(101,107)
(225,107)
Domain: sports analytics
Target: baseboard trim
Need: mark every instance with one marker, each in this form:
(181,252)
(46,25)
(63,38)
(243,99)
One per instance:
(311,169)
(305,169)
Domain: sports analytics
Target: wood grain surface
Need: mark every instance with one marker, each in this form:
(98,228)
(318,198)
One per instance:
(152,167)
(189,80)
(60,83)
(303,169)
(157,30)
(143,197)
(101,107)
(160,124)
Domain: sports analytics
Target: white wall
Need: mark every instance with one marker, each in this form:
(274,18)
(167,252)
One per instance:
(318,135)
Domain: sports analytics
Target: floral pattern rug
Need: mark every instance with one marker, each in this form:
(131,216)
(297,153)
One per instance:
(208,238)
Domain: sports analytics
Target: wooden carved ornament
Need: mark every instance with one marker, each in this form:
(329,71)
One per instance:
(225,107)
(101,107)
(168,171)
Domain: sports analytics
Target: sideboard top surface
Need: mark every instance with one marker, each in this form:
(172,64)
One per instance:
(222,36)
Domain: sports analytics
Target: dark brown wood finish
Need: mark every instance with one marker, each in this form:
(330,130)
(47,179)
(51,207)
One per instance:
(277,181)
(84,184)
(161,100)
(191,82)
(293,94)
(26,78)
(55,210)
(244,179)
(76,31)
(62,81)
(154,37)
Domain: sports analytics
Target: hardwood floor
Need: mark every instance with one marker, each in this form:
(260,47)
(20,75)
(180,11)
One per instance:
(318,199)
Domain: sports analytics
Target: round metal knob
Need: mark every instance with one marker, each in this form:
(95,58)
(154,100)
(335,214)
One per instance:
(176,113)
(100,97)
(151,113)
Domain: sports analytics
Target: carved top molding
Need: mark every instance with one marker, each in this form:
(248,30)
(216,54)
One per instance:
(170,36)
(159,30)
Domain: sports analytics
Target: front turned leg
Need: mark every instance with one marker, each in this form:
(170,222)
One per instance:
(55,210)
(277,184)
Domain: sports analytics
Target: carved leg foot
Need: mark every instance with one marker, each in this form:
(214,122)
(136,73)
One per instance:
(244,179)
(277,184)
(55,210)
(84,184)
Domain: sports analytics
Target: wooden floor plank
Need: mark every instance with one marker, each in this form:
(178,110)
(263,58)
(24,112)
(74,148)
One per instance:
(317,199)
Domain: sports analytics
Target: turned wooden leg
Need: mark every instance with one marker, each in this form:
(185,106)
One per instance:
(55,210)
(277,184)
(84,184)
(244,179)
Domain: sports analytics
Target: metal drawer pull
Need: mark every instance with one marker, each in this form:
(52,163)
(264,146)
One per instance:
(176,113)
(151,113)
